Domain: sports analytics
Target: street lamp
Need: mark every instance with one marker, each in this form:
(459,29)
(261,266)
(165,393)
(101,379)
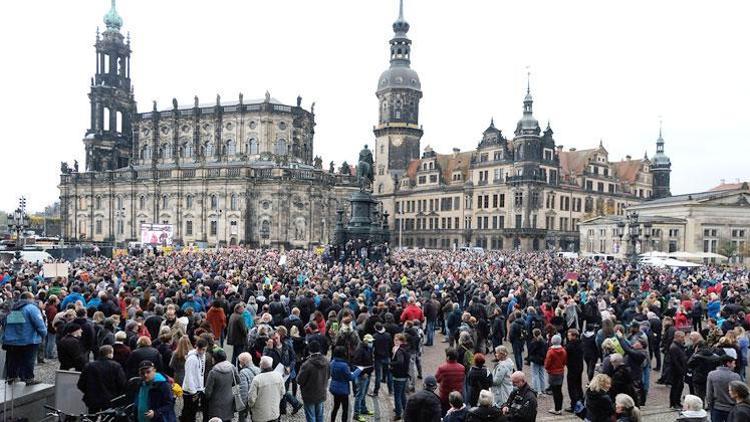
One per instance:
(20,223)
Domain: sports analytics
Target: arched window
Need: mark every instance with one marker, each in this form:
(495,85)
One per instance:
(209,149)
(164,201)
(380,188)
(214,202)
(105,116)
(98,202)
(281,147)
(265,229)
(231,148)
(189,201)
(252,146)
(142,202)
(233,204)
(119,203)
(118,123)
(145,152)
(188,151)
(166,151)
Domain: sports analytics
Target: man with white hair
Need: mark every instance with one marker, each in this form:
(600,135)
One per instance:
(266,392)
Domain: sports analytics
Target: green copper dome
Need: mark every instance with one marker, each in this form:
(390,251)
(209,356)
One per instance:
(112,19)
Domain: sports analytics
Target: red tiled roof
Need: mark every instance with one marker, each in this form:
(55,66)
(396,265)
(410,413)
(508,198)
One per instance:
(627,170)
(448,164)
(575,161)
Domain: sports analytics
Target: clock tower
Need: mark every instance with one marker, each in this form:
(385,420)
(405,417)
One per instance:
(397,133)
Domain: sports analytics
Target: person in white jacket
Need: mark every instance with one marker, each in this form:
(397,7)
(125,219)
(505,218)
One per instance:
(501,383)
(266,391)
(193,386)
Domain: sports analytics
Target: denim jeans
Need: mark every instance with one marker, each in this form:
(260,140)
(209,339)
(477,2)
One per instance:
(518,354)
(363,384)
(399,394)
(646,381)
(49,346)
(288,397)
(430,333)
(383,373)
(314,412)
(538,377)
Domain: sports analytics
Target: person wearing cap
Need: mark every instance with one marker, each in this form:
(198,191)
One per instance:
(154,401)
(718,400)
(70,350)
(363,358)
(424,405)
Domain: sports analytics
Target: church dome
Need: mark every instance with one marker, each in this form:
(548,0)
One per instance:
(112,19)
(399,77)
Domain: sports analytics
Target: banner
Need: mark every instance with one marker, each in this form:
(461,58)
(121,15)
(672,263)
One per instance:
(157,234)
(58,269)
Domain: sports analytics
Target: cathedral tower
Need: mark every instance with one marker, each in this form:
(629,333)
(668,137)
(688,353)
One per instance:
(398,132)
(661,167)
(109,138)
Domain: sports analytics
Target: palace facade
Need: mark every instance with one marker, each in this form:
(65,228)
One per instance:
(517,191)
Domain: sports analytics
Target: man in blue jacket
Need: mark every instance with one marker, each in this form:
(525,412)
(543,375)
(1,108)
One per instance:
(24,331)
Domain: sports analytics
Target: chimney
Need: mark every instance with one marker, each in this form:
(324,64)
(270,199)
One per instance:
(455,152)
(559,149)
(628,157)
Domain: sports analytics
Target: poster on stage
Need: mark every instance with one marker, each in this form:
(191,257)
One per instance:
(157,234)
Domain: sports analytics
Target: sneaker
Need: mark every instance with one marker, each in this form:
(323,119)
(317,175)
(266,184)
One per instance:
(373,394)
(555,412)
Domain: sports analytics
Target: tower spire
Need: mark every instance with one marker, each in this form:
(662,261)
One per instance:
(112,19)
(401,10)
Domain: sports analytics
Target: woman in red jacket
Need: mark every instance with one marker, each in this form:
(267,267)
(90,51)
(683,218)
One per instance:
(554,363)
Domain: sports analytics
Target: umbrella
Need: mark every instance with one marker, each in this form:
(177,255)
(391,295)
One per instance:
(677,263)
(654,254)
(683,255)
(710,255)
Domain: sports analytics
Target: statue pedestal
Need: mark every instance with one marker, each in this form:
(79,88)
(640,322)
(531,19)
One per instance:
(365,222)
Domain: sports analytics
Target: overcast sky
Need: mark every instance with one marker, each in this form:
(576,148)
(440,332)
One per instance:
(600,70)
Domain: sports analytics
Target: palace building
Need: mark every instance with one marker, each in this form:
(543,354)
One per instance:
(517,191)
(224,173)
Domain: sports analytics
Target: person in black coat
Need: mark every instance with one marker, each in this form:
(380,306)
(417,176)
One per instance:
(101,381)
(599,407)
(424,405)
(70,351)
(458,410)
(738,391)
(522,404)
(677,370)
(477,379)
(144,352)
(574,349)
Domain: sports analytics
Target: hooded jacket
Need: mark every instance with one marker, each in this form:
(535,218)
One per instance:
(313,378)
(29,331)
(219,390)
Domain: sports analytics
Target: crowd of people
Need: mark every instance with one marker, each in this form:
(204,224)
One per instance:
(242,334)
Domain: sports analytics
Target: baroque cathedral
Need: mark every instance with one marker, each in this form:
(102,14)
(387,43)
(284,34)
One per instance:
(243,171)
(223,173)
(520,191)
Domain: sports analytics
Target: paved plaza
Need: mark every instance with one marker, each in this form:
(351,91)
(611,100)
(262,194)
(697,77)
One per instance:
(656,409)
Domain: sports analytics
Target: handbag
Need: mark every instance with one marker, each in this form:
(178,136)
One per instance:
(239,404)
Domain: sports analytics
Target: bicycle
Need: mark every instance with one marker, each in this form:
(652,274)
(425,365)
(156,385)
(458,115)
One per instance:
(115,414)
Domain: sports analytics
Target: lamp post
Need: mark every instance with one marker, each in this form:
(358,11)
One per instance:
(20,223)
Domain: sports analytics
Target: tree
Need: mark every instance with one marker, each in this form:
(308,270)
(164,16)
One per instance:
(728,249)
